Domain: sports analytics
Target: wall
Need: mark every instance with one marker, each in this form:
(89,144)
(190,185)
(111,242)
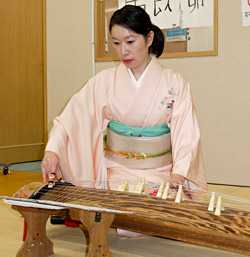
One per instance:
(220,84)
(69,51)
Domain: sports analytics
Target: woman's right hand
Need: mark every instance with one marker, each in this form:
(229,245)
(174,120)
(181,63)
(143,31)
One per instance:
(50,167)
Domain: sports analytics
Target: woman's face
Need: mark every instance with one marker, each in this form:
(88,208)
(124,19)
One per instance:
(132,48)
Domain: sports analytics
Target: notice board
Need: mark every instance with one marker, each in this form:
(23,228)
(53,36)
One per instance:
(190,27)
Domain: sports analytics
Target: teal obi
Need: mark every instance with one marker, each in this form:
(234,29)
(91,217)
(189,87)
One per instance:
(125,130)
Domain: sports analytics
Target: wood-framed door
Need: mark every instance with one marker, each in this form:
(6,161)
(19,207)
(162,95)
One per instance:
(23,112)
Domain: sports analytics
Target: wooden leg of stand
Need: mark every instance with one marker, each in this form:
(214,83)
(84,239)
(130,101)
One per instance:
(36,242)
(98,225)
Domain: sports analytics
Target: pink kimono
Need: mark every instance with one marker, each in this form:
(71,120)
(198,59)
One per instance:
(163,98)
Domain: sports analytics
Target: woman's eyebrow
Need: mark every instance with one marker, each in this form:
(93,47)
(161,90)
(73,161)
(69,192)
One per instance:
(129,36)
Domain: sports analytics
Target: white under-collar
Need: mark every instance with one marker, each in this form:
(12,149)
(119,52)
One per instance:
(139,81)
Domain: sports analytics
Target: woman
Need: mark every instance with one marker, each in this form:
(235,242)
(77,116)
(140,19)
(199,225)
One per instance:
(137,96)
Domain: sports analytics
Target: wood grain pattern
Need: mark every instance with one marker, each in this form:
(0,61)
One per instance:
(22,83)
(188,221)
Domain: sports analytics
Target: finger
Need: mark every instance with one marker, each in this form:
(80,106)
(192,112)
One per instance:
(173,185)
(51,175)
(187,192)
(51,179)
(52,171)
(44,174)
(58,174)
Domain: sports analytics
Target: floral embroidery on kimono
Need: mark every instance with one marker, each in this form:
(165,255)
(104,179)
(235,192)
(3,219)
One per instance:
(168,101)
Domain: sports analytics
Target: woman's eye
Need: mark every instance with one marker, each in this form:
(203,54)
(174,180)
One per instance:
(131,42)
(116,43)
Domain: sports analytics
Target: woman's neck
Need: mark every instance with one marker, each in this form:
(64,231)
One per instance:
(137,72)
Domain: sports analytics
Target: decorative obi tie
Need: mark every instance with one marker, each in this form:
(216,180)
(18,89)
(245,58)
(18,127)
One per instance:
(125,130)
(144,152)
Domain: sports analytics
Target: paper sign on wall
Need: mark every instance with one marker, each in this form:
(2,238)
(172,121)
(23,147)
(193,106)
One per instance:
(176,13)
(175,35)
(245,12)
(164,13)
(197,13)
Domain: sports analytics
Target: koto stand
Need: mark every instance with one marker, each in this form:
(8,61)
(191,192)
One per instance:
(37,244)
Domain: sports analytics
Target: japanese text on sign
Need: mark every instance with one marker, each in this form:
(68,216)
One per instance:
(176,13)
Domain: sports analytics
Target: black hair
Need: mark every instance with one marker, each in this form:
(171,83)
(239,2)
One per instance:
(136,19)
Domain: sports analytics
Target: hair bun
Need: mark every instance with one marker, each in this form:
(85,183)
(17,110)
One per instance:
(158,43)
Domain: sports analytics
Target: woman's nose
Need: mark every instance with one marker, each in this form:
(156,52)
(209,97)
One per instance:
(124,49)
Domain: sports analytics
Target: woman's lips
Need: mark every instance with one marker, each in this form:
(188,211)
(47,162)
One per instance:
(127,61)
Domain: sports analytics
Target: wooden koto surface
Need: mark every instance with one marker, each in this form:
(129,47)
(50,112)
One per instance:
(69,242)
(188,221)
(186,213)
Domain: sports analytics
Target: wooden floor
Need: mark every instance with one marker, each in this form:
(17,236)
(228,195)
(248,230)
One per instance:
(15,180)
(70,241)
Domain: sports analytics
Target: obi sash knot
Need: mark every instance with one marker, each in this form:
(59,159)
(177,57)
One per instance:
(125,130)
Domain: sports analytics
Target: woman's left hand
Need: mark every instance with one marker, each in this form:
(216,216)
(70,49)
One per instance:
(176,180)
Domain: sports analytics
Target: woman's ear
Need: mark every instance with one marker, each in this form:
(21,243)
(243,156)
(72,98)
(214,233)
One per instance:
(150,38)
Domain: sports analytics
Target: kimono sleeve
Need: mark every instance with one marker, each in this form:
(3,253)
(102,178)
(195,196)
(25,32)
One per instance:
(185,137)
(77,135)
